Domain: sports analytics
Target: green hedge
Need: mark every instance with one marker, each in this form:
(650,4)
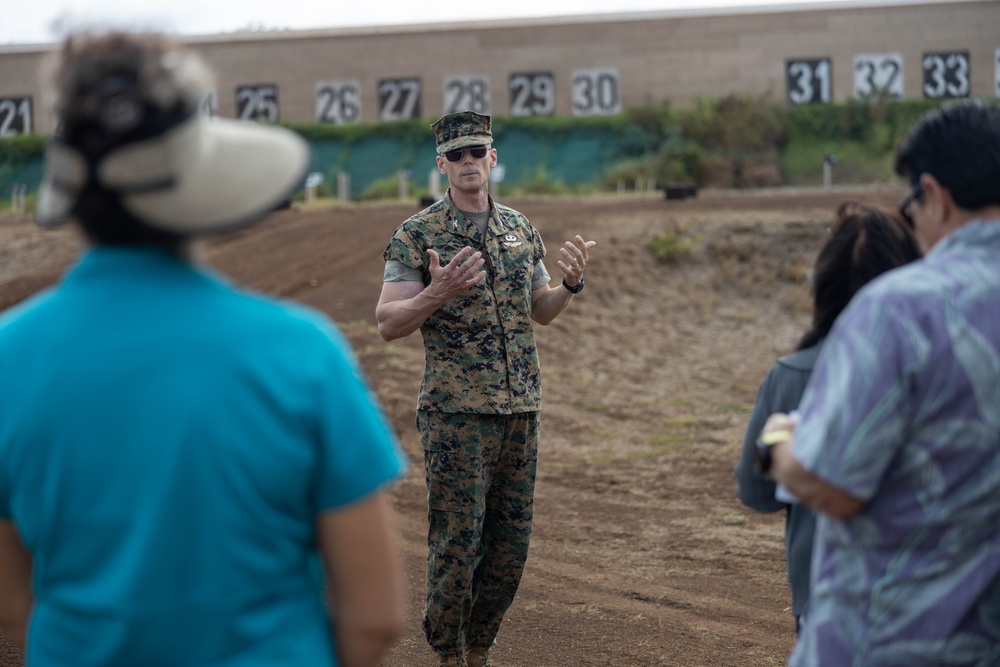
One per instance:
(736,140)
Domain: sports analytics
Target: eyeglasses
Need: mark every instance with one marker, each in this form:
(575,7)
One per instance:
(915,193)
(478,152)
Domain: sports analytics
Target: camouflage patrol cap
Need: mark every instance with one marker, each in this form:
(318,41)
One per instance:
(460,129)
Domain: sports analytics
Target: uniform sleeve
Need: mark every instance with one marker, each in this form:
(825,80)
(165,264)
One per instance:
(359,452)
(537,246)
(404,249)
(540,275)
(396,271)
(855,412)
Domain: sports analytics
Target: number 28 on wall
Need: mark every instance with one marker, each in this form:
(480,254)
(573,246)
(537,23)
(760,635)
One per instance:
(467,93)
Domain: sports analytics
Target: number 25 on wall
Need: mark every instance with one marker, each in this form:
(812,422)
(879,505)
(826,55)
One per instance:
(258,102)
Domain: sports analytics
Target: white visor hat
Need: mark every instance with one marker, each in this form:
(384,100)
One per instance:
(201,176)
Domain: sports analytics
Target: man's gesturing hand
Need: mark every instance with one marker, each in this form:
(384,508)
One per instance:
(462,273)
(575,255)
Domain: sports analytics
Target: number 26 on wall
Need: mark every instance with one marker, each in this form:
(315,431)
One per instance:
(338,102)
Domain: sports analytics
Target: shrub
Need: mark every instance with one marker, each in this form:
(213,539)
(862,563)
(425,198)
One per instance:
(672,245)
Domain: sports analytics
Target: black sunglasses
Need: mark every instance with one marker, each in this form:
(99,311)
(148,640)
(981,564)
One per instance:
(915,193)
(478,152)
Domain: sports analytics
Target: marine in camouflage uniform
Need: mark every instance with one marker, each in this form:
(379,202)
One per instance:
(477,411)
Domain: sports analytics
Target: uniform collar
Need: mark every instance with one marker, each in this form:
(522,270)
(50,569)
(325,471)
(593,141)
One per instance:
(459,224)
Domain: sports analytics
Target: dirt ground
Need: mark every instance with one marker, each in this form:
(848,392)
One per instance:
(641,555)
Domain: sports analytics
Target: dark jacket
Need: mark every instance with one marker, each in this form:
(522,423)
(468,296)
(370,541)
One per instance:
(781,391)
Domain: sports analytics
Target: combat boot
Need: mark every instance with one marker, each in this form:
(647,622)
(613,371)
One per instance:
(451,660)
(478,656)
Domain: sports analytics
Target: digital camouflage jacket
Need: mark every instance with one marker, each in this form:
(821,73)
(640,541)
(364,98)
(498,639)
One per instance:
(479,347)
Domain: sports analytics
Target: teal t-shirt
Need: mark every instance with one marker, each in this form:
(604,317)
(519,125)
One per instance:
(166,444)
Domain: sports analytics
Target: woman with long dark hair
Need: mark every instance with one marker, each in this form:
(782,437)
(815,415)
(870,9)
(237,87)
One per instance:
(865,241)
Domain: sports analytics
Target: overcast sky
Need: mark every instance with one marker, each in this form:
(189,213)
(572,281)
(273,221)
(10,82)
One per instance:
(34,21)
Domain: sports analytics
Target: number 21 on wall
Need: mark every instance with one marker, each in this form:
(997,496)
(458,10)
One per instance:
(15,116)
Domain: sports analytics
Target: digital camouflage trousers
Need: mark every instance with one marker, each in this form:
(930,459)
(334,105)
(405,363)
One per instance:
(480,473)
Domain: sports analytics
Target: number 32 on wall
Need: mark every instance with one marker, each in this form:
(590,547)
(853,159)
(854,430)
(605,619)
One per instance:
(878,75)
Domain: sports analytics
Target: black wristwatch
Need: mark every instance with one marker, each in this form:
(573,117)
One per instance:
(573,289)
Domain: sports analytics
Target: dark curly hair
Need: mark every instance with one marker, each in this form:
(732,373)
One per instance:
(111,90)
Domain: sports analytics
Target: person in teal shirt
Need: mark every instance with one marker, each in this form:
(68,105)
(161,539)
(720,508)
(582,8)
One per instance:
(185,467)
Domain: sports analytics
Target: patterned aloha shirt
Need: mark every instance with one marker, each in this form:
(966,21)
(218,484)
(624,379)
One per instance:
(903,412)
(479,347)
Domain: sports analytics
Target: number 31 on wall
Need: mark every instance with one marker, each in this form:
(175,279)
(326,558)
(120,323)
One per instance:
(809,81)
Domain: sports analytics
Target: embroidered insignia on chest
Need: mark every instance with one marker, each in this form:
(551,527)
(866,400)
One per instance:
(510,240)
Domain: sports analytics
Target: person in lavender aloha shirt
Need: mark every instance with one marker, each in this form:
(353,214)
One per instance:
(897,440)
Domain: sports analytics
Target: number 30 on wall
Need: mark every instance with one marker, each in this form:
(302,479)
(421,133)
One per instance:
(809,81)
(596,92)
